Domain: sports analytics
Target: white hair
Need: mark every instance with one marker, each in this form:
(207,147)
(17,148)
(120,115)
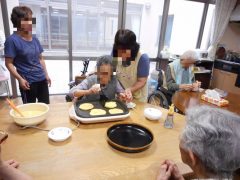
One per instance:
(213,135)
(190,54)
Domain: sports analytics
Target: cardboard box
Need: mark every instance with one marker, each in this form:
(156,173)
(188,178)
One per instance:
(220,103)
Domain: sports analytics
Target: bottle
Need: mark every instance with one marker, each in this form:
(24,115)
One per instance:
(168,123)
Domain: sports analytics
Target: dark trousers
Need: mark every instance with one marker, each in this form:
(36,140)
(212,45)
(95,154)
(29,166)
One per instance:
(38,91)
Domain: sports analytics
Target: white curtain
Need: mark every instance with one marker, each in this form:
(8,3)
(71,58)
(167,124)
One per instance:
(223,10)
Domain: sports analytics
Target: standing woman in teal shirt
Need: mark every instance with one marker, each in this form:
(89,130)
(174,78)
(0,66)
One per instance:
(23,58)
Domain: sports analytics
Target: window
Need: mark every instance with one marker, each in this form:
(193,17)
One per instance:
(58,71)
(51,24)
(95,23)
(42,28)
(186,20)
(207,28)
(94,26)
(143,18)
(59,28)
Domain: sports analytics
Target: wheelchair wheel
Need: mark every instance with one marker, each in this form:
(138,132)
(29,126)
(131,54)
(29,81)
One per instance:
(158,99)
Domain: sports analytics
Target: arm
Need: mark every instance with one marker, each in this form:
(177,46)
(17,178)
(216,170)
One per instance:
(127,95)
(142,73)
(122,95)
(11,173)
(80,93)
(172,85)
(141,81)
(82,89)
(22,82)
(45,69)
(8,170)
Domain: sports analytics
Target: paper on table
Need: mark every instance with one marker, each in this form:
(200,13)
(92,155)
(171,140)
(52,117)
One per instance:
(213,94)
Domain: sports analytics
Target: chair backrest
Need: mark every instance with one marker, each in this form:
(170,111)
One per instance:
(162,79)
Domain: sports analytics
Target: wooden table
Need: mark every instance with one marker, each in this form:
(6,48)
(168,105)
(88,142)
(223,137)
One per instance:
(184,100)
(87,155)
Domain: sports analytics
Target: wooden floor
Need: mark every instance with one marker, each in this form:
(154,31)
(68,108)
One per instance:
(17,101)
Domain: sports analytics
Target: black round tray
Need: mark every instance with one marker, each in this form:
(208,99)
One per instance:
(129,138)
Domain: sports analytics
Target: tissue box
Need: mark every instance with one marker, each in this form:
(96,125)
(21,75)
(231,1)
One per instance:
(221,102)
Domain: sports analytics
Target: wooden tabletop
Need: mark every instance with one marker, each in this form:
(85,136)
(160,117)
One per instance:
(184,100)
(87,155)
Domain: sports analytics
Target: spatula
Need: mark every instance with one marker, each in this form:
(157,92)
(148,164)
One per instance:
(14,107)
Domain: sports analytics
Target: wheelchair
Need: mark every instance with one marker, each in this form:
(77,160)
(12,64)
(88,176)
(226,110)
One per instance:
(161,96)
(78,79)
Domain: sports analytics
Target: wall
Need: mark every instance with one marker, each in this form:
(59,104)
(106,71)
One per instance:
(231,37)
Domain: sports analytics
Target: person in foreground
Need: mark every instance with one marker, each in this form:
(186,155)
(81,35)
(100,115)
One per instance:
(8,169)
(104,82)
(180,74)
(209,144)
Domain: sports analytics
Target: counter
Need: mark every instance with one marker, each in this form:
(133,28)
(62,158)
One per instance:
(226,76)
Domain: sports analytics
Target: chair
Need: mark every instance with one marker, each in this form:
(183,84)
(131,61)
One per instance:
(162,96)
(78,79)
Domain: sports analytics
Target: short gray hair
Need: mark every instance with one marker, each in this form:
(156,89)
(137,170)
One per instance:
(190,54)
(213,134)
(104,60)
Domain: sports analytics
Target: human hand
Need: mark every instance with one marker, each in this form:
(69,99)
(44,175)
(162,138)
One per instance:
(164,172)
(186,87)
(196,85)
(175,174)
(128,95)
(122,96)
(95,89)
(13,163)
(24,84)
(49,81)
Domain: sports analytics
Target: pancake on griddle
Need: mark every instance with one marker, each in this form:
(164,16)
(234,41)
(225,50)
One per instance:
(115,111)
(86,106)
(97,112)
(110,104)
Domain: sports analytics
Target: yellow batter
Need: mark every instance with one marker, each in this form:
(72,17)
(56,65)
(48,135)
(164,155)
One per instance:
(115,111)
(97,112)
(110,104)
(29,113)
(86,106)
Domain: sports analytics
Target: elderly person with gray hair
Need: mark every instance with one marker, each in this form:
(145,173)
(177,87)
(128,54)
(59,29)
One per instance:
(103,81)
(209,144)
(179,73)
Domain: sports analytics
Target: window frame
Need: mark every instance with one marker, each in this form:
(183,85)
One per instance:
(122,8)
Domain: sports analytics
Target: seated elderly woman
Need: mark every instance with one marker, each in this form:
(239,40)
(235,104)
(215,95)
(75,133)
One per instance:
(104,83)
(209,144)
(180,75)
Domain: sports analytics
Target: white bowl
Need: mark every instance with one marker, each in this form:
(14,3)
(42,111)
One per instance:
(60,134)
(152,114)
(34,113)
